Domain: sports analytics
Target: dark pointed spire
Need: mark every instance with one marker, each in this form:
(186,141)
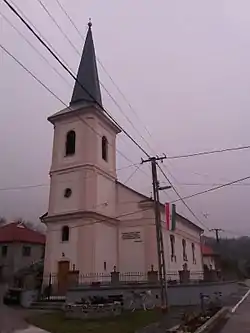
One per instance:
(87,75)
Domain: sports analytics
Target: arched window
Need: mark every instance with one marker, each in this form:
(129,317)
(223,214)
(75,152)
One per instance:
(184,250)
(104,148)
(193,253)
(65,233)
(172,243)
(70,145)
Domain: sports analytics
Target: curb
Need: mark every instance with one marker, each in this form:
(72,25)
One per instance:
(208,325)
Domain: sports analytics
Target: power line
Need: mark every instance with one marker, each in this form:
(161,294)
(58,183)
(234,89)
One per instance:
(35,49)
(38,32)
(182,199)
(58,26)
(73,76)
(108,219)
(211,184)
(212,189)
(59,99)
(208,152)
(132,174)
(24,187)
(102,85)
(119,90)
(123,155)
(103,67)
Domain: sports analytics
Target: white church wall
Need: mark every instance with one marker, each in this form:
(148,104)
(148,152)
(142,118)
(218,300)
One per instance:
(105,203)
(59,182)
(150,247)
(56,250)
(86,247)
(61,129)
(131,249)
(105,248)
(110,164)
(127,202)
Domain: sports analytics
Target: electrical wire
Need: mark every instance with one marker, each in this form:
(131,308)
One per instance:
(35,49)
(181,199)
(102,85)
(24,187)
(103,67)
(73,76)
(211,184)
(59,99)
(212,189)
(60,76)
(107,219)
(119,107)
(208,152)
(76,80)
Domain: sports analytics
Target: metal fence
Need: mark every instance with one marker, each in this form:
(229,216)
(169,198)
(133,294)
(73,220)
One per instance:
(95,279)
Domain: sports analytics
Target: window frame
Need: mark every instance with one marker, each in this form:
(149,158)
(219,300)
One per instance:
(184,249)
(26,251)
(70,143)
(4,253)
(172,247)
(65,233)
(104,148)
(193,253)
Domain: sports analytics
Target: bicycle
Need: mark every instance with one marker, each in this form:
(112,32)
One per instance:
(145,298)
(211,304)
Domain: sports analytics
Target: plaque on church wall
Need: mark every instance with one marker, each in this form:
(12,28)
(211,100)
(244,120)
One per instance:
(134,235)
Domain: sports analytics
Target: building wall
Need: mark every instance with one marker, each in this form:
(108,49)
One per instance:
(93,185)
(132,249)
(90,178)
(58,250)
(209,261)
(129,201)
(90,244)
(15,260)
(106,247)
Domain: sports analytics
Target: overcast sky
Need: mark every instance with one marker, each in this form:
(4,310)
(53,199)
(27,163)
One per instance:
(183,65)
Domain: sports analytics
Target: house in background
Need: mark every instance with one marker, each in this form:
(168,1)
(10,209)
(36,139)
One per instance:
(211,263)
(94,222)
(19,248)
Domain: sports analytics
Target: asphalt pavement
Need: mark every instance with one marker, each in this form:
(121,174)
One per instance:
(239,320)
(10,319)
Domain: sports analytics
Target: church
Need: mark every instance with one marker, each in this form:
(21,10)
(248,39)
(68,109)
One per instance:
(94,222)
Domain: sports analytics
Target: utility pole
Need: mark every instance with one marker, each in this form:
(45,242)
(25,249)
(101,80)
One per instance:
(217,230)
(159,238)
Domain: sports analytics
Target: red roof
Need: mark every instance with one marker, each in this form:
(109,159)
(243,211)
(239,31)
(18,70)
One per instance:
(14,232)
(207,251)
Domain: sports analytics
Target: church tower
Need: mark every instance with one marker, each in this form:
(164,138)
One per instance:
(83,178)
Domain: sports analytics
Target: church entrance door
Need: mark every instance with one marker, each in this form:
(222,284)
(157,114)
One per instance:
(63,275)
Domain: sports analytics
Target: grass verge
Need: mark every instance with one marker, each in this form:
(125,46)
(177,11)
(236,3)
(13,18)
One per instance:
(126,323)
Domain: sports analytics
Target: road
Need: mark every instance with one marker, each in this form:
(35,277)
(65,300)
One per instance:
(240,318)
(10,319)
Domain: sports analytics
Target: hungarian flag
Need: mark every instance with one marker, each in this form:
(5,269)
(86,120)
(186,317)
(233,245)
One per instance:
(170,212)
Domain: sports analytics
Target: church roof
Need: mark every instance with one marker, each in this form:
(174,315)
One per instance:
(87,87)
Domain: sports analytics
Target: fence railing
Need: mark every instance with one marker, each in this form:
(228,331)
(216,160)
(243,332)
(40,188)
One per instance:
(124,278)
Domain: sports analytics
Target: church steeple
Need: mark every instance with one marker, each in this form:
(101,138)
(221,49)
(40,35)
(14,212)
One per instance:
(87,75)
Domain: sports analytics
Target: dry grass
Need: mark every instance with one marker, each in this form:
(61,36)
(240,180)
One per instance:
(126,323)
